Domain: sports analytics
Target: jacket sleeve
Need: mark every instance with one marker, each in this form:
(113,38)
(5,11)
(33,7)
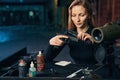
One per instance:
(51,52)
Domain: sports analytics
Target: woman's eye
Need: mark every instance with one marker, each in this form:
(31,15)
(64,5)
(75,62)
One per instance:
(73,15)
(83,15)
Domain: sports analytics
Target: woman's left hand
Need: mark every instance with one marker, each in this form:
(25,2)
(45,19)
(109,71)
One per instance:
(84,36)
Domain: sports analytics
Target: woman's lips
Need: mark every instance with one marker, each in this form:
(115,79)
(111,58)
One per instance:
(78,23)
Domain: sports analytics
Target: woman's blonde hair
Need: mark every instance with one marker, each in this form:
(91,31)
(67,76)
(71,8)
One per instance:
(88,8)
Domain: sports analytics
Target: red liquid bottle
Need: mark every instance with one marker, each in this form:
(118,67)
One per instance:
(40,61)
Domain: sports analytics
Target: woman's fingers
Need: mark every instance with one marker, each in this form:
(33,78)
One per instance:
(81,36)
(56,41)
(90,38)
(85,36)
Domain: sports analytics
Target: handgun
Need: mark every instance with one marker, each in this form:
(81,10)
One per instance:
(72,36)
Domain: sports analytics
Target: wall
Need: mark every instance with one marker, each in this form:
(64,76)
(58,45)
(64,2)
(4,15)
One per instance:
(108,10)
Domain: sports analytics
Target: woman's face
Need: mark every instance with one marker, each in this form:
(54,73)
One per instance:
(79,16)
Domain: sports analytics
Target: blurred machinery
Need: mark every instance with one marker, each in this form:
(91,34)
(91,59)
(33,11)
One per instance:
(108,32)
(21,12)
(106,36)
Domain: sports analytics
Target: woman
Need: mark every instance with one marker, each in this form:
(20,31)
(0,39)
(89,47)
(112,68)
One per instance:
(81,21)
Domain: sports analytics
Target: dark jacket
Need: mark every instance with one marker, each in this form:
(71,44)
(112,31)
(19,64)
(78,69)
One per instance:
(81,51)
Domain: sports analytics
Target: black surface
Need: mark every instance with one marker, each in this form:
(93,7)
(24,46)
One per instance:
(55,72)
(12,57)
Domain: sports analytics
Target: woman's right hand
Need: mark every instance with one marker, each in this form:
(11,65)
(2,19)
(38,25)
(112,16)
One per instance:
(56,41)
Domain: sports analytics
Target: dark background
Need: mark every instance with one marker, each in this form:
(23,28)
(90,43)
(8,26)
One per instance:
(31,23)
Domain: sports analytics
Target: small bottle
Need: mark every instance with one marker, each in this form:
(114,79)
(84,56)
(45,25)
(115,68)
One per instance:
(40,61)
(32,70)
(22,68)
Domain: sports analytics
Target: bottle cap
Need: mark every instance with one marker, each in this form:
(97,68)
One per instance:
(32,64)
(22,63)
(40,53)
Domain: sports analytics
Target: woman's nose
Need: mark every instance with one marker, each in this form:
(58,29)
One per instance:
(78,19)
